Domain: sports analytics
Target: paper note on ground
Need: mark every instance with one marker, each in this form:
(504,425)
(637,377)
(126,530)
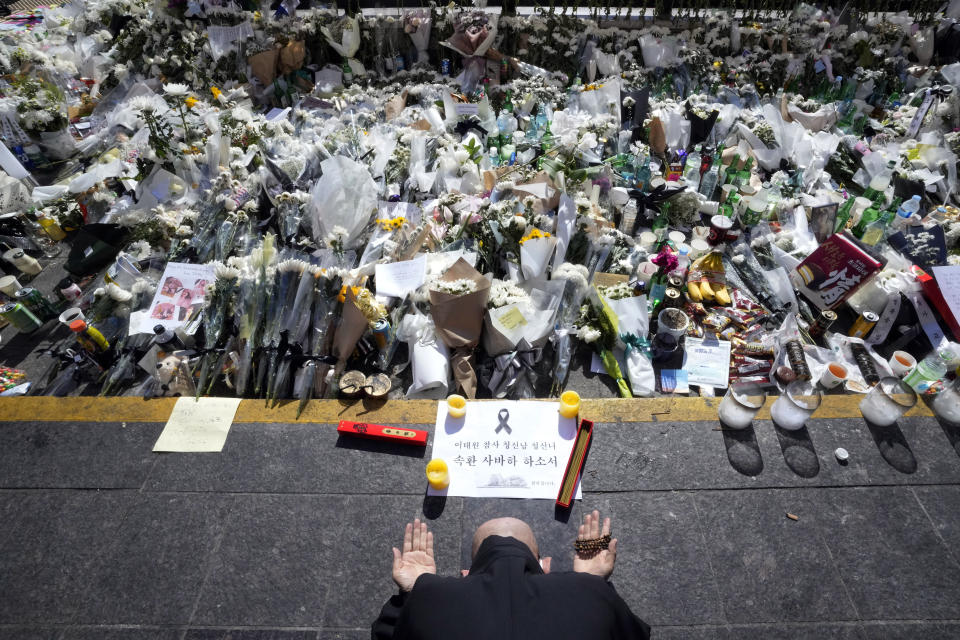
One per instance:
(198,425)
(707,362)
(400,278)
(520,454)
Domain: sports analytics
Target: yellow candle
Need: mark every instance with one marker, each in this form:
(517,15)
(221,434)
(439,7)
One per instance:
(437,474)
(456,406)
(569,404)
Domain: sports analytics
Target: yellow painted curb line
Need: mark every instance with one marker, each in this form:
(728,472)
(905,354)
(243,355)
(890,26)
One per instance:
(89,409)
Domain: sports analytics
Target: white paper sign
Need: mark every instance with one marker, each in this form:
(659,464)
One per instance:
(198,425)
(397,279)
(521,453)
(707,362)
(179,296)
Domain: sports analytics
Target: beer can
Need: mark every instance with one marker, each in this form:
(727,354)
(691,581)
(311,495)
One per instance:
(35,302)
(20,317)
(672,299)
(445,67)
(823,322)
(399,64)
(864,324)
(382,333)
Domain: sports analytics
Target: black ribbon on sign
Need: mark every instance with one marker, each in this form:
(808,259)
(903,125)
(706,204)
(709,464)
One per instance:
(502,417)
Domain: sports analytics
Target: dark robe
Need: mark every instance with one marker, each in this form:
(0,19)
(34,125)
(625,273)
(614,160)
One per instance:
(507,596)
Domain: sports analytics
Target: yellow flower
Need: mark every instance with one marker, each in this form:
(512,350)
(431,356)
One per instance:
(190,101)
(216,93)
(536,233)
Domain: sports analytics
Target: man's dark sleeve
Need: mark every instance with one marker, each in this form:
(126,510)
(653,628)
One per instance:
(384,625)
(628,626)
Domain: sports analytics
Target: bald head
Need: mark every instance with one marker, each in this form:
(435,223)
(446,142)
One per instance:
(508,528)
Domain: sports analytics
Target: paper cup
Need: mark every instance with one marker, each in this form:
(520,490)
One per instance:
(68,316)
(709,207)
(833,375)
(902,363)
(646,271)
(677,237)
(698,248)
(647,240)
(9,285)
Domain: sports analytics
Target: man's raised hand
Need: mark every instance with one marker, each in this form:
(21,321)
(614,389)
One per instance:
(599,563)
(416,557)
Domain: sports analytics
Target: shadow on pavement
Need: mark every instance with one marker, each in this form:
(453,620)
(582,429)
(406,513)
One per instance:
(743,452)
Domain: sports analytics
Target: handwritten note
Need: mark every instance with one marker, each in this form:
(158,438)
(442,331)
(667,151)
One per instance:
(397,279)
(513,319)
(198,425)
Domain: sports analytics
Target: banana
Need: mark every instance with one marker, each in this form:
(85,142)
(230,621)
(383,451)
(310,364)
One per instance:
(693,290)
(706,290)
(722,296)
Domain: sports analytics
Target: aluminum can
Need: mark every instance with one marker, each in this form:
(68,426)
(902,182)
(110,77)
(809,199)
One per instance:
(382,333)
(863,325)
(445,67)
(823,322)
(20,317)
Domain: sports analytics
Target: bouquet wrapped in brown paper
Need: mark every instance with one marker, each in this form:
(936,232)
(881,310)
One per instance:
(264,66)
(457,303)
(353,323)
(292,56)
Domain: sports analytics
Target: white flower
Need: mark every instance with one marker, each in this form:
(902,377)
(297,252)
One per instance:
(519,221)
(176,89)
(588,334)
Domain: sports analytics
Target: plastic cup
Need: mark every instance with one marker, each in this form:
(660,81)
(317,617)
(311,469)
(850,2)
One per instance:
(833,375)
(698,247)
(902,363)
(74,313)
(10,285)
(740,404)
(569,404)
(795,405)
(438,475)
(887,401)
(456,406)
(947,404)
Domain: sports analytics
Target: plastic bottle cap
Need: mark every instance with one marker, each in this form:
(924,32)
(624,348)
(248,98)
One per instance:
(842,454)
(78,325)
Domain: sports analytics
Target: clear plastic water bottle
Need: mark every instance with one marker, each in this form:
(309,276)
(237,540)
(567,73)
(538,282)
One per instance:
(494,157)
(929,371)
(691,172)
(907,209)
(708,184)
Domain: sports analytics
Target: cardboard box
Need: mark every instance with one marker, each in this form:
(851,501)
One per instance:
(837,268)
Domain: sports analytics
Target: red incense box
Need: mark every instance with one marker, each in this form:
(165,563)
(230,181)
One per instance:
(931,289)
(568,487)
(381,432)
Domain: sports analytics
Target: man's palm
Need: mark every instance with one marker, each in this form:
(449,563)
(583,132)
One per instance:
(600,563)
(416,557)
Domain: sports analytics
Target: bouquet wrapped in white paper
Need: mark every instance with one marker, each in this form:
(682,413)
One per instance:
(349,43)
(429,357)
(345,196)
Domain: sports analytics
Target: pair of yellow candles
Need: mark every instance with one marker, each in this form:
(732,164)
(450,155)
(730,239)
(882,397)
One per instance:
(438,475)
